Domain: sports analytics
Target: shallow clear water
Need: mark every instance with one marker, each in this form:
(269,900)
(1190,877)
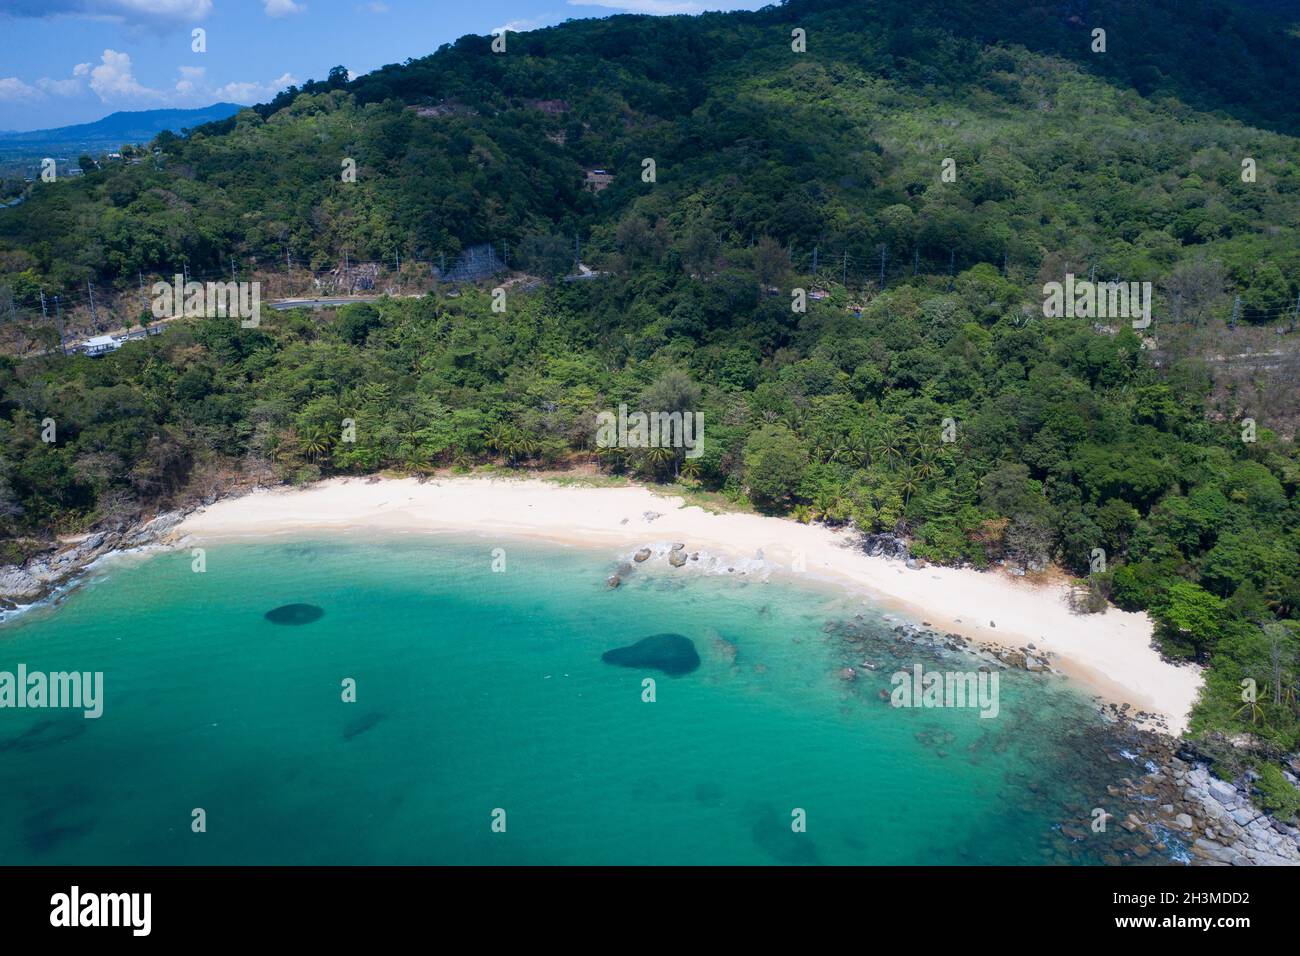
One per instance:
(480,690)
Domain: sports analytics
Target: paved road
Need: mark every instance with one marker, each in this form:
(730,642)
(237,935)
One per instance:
(281,304)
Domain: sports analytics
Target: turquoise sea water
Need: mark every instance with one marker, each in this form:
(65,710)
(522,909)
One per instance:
(479,690)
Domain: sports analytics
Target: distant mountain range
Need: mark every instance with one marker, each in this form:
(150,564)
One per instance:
(123,127)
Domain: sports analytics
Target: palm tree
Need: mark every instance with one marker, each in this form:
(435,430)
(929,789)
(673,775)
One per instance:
(658,456)
(909,483)
(1254,710)
(690,470)
(522,444)
(498,438)
(926,460)
(886,447)
(852,450)
(417,458)
(611,455)
(314,441)
(828,506)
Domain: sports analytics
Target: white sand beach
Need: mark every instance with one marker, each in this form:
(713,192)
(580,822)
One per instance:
(1110,653)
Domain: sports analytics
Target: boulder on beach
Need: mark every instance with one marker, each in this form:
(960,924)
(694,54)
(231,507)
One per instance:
(641,555)
(677,558)
(674,654)
(294,614)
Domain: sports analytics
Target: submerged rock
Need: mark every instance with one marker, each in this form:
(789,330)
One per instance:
(724,648)
(673,654)
(361,724)
(294,614)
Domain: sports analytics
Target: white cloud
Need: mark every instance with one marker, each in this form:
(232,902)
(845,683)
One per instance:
(523,26)
(282,8)
(193,87)
(657,7)
(135,12)
(113,79)
(69,87)
(191,77)
(663,8)
(253,92)
(12,89)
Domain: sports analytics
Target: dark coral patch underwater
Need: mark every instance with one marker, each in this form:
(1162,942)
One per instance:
(294,614)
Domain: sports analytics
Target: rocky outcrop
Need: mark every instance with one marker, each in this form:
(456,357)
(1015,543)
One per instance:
(1228,828)
(885,546)
(1214,819)
(38,577)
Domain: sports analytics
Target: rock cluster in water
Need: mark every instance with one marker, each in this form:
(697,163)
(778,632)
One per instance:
(294,614)
(1168,808)
(1214,818)
(673,654)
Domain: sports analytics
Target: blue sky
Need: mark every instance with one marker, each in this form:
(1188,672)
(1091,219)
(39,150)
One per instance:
(72,61)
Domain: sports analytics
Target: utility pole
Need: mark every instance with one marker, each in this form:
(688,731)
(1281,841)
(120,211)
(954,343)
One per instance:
(882,266)
(94,316)
(45,317)
(1236,312)
(234,270)
(916,260)
(952,264)
(814,269)
(844,270)
(1295,316)
(59,314)
(577,252)
(1004,263)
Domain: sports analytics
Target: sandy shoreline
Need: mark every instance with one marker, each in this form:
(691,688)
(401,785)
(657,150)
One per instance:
(1110,653)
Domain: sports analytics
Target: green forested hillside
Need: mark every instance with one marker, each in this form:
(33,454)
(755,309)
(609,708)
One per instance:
(1068,436)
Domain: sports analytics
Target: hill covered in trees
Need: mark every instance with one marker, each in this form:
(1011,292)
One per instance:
(922,391)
